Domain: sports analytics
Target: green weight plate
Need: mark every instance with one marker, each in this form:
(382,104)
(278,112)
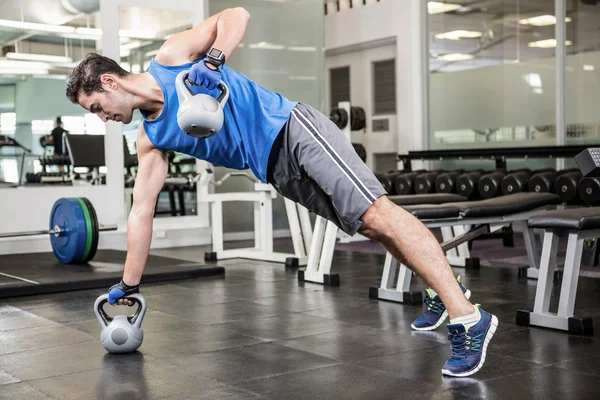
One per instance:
(88,230)
(95,231)
(69,246)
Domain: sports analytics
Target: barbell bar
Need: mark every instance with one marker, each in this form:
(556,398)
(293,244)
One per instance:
(73,230)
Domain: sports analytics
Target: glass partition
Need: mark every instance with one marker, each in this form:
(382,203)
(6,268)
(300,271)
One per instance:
(582,74)
(492,75)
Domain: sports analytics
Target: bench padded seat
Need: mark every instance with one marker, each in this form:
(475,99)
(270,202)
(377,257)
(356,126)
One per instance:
(496,207)
(572,219)
(429,198)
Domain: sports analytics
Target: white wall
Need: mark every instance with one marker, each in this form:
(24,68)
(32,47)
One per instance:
(388,29)
(361,94)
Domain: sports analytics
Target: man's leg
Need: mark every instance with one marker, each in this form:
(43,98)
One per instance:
(411,243)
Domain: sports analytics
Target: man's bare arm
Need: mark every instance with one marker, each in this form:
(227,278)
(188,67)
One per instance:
(152,172)
(223,31)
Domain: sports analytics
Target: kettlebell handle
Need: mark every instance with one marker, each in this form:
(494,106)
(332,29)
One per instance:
(135,319)
(180,84)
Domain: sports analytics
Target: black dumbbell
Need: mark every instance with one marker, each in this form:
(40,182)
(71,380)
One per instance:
(361,151)
(516,181)
(466,184)
(589,191)
(387,182)
(542,182)
(446,181)
(404,183)
(490,185)
(425,182)
(566,187)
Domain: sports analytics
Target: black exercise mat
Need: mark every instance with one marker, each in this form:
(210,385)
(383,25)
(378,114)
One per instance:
(49,276)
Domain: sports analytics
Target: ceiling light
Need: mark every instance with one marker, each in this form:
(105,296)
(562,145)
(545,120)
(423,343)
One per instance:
(435,7)
(547,43)
(23,65)
(302,48)
(38,57)
(31,26)
(303,78)
(266,46)
(456,57)
(89,31)
(458,35)
(137,34)
(541,20)
(19,71)
(589,68)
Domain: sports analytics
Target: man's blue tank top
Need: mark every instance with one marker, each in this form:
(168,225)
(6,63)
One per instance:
(253,115)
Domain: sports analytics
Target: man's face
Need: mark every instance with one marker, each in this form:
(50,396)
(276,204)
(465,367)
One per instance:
(110,105)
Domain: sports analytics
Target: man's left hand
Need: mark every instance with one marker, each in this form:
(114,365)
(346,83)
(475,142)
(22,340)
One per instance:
(204,74)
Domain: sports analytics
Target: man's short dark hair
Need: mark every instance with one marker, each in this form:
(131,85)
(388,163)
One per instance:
(86,76)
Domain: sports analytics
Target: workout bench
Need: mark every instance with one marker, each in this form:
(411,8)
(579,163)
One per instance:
(322,246)
(576,225)
(476,218)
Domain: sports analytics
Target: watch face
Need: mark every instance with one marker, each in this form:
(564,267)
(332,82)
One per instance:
(214,53)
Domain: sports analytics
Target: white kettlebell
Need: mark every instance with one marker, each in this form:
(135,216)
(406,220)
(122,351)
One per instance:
(121,334)
(199,114)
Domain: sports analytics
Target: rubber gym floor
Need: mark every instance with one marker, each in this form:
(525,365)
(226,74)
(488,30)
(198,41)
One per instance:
(258,334)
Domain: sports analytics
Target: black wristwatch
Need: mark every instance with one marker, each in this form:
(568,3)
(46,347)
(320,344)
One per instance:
(215,57)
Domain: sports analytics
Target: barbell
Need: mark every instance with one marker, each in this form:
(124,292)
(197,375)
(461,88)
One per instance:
(74,230)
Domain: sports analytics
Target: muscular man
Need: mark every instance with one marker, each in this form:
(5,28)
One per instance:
(288,144)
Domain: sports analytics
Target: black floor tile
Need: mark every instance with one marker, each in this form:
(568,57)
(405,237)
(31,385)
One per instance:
(303,301)
(250,362)
(544,346)
(340,381)
(426,365)
(21,391)
(60,360)
(226,392)
(539,383)
(357,342)
(12,318)
(192,340)
(218,313)
(120,380)
(373,313)
(154,321)
(585,365)
(39,338)
(285,326)
(257,290)
(6,378)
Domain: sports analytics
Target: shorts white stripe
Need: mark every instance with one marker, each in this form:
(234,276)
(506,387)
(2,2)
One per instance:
(355,181)
(333,159)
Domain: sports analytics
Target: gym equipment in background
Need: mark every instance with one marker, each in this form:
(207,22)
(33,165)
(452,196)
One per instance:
(121,334)
(566,187)
(466,184)
(199,114)
(74,230)
(262,198)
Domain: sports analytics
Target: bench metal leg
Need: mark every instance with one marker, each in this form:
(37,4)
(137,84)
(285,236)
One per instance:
(563,319)
(398,291)
(533,255)
(320,257)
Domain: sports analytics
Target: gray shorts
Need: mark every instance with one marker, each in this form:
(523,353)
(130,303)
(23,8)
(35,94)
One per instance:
(313,164)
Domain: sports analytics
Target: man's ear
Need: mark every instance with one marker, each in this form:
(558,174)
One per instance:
(109,81)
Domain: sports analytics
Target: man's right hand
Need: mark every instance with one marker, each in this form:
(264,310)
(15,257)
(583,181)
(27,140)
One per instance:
(117,292)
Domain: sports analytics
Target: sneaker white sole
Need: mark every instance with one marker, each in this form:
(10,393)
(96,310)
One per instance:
(488,337)
(441,320)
